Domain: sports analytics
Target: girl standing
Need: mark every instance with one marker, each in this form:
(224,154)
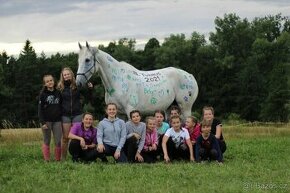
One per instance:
(111,134)
(49,111)
(71,104)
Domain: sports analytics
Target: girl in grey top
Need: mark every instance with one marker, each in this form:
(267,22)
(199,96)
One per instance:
(111,134)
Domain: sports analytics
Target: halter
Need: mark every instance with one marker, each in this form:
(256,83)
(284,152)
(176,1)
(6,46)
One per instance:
(89,70)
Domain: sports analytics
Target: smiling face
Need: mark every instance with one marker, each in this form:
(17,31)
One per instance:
(189,123)
(151,124)
(175,123)
(88,121)
(48,81)
(111,111)
(66,74)
(208,114)
(136,118)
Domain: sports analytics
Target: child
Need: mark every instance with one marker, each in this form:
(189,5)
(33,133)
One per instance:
(207,147)
(135,137)
(49,110)
(149,151)
(176,142)
(193,127)
(162,127)
(111,134)
(71,104)
(216,127)
(83,142)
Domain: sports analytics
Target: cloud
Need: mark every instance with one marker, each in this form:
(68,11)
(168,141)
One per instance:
(69,21)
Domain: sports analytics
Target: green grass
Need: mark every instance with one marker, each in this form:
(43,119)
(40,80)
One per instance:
(257,160)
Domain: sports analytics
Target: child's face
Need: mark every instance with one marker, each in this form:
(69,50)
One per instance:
(151,124)
(189,123)
(159,117)
(205,129)
(88,121)
(136,118)
(48,82)
(111,111)
(174,113)
(207,115)
(66,75)
(176,123)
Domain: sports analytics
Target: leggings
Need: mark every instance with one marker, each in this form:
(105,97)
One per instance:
(55,128)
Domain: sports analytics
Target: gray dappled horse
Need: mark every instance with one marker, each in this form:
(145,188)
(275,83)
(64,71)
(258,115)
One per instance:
(132,89)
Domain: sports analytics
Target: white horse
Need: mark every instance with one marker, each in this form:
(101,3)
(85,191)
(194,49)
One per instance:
(132,89)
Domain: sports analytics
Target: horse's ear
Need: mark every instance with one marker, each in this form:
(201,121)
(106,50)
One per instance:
(87,45)
(80,46)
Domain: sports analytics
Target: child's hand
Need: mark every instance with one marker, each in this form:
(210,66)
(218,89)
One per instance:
(137,136)
(100,148)
(117,154)
(166,159)
(138,157)
(154,147)
(82,143)
(90,85)
(44,126)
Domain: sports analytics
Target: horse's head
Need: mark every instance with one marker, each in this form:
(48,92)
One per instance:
(87,64)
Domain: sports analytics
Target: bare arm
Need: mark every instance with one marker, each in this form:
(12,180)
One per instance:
(164,147)
(218,131)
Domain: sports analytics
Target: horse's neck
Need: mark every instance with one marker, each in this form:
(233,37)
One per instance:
(106,69)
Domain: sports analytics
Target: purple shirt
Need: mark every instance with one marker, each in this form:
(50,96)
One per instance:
(90,135)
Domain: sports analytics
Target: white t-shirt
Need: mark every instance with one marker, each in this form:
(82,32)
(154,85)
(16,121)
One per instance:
(178,137)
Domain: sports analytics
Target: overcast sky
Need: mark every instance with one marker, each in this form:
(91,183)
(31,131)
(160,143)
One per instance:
(57,25)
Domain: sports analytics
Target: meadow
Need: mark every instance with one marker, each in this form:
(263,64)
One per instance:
(257,160)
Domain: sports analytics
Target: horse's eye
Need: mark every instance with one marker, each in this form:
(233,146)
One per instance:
(87,60)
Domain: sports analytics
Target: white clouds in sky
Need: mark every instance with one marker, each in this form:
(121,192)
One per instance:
(54,25)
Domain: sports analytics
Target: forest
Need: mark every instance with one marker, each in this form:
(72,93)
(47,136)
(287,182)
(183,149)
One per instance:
(242,69)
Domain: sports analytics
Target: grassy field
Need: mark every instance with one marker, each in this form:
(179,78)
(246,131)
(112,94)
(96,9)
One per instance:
(257,160)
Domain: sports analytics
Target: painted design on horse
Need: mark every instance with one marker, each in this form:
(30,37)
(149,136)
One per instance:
(132,89)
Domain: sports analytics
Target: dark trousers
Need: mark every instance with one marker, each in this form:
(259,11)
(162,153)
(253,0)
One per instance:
(81,154)
(180,152)
(130,149)
(110,151)
(159,147)
(208,154)
(149,156)
(223,145)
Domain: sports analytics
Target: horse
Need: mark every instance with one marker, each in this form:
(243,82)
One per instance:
(133,89)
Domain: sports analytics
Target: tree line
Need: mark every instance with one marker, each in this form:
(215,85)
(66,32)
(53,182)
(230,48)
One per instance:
(242,70)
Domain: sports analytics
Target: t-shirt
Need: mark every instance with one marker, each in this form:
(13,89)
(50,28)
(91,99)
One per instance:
(90,135)
(214,124)
(164,127)
(179,137)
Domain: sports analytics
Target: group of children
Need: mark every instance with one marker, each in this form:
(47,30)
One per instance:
(134,141)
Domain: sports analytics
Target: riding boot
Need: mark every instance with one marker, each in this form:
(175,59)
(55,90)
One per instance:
(57,153)
(46,152)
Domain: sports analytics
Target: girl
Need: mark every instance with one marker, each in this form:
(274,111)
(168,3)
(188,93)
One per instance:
(193,127)
(71,105)
(135,137)
(216,127)
(176,142)
(149,151)
(162,127)
(49,110)
(83,142)
(111,134)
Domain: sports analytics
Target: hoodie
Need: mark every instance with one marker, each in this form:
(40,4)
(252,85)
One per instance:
(112,133)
